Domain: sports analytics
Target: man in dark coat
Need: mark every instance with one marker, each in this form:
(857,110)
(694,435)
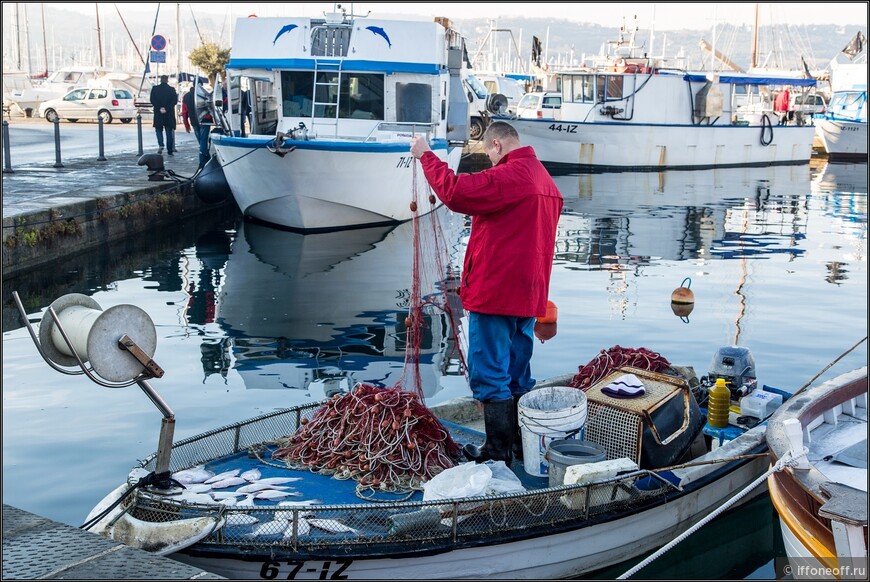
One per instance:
(164,98)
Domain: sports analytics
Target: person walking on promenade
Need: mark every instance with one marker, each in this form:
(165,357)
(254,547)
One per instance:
(191,119)
(164,98)
(514,208)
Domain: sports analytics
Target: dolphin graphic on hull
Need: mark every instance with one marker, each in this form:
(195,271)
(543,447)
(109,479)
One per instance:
(380,32)
(284,29)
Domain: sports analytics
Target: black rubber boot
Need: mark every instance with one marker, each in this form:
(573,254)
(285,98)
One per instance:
(500,428)
(518,435)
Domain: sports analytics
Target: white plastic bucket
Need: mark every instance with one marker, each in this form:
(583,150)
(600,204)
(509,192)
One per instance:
(546,414)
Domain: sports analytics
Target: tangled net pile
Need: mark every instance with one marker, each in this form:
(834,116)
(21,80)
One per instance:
(384,438)
(616,357)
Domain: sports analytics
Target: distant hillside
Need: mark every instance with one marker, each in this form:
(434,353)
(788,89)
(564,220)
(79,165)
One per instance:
(71,37)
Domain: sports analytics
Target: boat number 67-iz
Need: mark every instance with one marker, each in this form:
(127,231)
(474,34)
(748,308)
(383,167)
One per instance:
(326,570)
(565,128)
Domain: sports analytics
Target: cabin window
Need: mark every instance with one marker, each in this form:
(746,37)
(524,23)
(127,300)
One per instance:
(413,103)
(362,96)
(578,88)
(297,92)
(608,88)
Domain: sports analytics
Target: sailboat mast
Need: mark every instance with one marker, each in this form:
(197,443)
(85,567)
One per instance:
(44,40)
(99,34)
(178,42)
(17,24)
(753,61)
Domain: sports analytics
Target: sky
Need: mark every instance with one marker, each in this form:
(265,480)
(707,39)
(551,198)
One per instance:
(661,15)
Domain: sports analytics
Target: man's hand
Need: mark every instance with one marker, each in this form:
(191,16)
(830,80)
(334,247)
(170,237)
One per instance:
(419,146)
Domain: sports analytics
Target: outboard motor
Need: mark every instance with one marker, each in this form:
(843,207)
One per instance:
(737,366)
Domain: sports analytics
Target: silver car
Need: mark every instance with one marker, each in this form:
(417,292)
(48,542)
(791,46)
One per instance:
(106,103)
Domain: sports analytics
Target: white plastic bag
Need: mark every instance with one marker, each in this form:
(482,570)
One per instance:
(471,480)
(464,480)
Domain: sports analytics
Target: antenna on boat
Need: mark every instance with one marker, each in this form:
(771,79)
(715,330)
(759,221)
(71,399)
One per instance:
(113,348)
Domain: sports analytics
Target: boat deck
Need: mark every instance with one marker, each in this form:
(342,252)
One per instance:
(839,449)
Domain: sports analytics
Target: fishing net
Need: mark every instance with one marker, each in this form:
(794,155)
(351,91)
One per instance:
(617,357)
(385,438)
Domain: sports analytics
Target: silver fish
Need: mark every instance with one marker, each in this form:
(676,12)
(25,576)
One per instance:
(199,487)
(278,480)
(229,501)
(331,525)
(303,529)
(241,519)
(231,482)
(302,503)
(251,475)
(192,497)
(275,494)
(192,475)
(222,476)
(254,487)
(225,494)
(269,528)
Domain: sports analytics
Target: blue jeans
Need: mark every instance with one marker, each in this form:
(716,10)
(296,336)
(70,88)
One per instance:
(500,352)
(202,132)
(170,137)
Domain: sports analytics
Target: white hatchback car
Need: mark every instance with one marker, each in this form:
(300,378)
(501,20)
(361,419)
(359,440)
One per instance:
(540,105)
(104,103)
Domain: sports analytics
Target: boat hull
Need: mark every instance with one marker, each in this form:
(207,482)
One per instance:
(592,545)
(321,186)
(606,146)
(842,139)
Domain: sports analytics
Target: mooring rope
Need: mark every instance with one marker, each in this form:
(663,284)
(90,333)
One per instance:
(787,460)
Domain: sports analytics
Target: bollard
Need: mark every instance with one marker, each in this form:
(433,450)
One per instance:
(7,153)
(102,156)
(139,129)
(57,162)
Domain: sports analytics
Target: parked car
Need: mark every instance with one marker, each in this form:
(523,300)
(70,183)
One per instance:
(540,105)
(106,103)
(808,104)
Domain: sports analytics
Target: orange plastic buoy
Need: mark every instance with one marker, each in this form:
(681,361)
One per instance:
(545,331)
(551,315)
(683,294)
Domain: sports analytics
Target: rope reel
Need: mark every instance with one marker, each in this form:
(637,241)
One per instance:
(118,342)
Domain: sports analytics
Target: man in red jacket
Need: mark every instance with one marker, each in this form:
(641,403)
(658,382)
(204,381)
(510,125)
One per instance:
(514,209)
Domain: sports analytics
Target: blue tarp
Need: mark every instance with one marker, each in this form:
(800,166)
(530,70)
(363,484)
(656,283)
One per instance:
(738,79)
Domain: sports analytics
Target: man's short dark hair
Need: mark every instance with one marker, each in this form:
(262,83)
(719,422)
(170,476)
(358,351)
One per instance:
(164,78)
(500,130)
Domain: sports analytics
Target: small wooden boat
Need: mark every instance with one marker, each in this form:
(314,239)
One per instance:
(822,499)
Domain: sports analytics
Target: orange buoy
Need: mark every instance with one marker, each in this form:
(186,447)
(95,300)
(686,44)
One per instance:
(551,315)
(545,331)
(683,294)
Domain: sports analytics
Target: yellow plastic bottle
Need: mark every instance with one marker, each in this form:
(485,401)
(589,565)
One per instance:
(718,402)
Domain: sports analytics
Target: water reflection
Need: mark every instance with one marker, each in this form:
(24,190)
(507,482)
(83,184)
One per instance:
(318,312)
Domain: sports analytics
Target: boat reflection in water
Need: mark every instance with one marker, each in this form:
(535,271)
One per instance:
(320,312)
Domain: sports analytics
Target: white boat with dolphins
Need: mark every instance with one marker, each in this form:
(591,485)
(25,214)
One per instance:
(333,104)
(249,501)
(628,110)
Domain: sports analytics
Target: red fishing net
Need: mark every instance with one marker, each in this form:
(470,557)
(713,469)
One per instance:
(616,357)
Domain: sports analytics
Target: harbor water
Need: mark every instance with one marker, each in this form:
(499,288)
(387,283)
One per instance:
(250,319)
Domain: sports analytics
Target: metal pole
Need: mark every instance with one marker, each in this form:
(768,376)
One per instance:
(57,162)
(102,156)
(139,130)
(7,153)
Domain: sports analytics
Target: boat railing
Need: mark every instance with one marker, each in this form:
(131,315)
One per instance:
(380,520)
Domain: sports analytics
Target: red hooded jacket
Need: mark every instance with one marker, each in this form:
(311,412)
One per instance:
(515,208)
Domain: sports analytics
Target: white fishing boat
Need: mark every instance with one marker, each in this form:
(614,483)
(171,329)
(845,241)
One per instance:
(821,501)
(334,103)
(623,111)
(663,470)
(842,129)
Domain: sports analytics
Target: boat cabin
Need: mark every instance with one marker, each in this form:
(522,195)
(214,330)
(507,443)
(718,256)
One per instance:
(342,77)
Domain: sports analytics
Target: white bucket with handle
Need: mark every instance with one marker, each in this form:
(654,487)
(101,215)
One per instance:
(546,414)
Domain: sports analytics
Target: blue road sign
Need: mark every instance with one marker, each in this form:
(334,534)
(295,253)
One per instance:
(158,56)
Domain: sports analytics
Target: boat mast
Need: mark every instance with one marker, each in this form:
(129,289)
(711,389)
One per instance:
(178,42)
(44,41)
(17,25)
(753,61)
(99,34)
